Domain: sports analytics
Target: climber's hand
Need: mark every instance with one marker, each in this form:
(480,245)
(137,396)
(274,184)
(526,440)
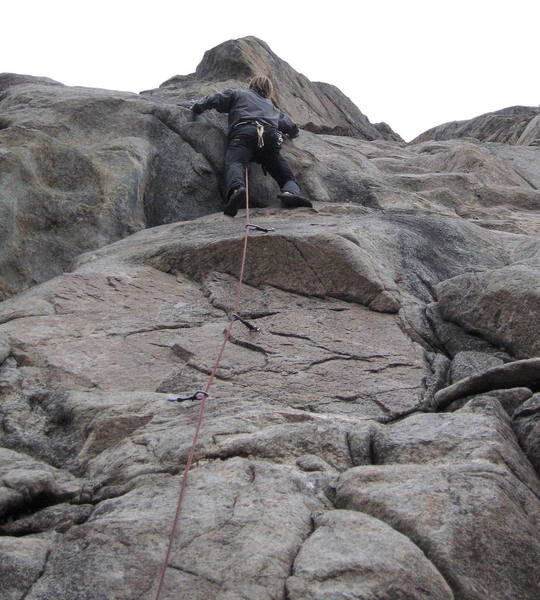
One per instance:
(196,109)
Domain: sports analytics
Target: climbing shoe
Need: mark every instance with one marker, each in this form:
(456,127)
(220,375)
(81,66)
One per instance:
(236,199)
(290,200)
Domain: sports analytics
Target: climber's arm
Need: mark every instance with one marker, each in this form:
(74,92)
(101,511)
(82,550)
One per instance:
(287,126)
(222,102)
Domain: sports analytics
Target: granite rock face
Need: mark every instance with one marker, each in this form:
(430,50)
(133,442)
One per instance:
(376,438)
(314,106)
(526,423)
(513,125)
(352,555)
(81,167)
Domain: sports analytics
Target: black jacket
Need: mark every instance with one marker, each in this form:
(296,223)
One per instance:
(247,105)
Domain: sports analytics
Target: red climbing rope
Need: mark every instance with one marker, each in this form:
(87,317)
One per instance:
(205,396)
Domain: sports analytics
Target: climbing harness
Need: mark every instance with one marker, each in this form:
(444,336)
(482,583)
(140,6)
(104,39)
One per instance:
(203,396)
(274,135)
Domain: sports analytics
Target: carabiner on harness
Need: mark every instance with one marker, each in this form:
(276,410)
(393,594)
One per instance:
(260,134)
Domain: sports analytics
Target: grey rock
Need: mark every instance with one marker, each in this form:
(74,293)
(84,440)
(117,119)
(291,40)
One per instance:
(361,443)
(497,304)
(524,373)
(414,322)
(507,125)
(27,483)
(23,561)
(5,349)
(26,305)
(522,160)
(467,363)
(318,440)
(299,345)
(531,133)
(526,423)
(437,378)
(325,252)
(127,443)
(353,555)
(453,339)
(10,375)
(317,107)
(467,517)
(8,80)
(362,323)
(28,425)
(247,521)
(512,398)
(509,399)
(56,518)
(482,432)
(311,462)
(82,168)
(130,161)
(387,132)
(379,261)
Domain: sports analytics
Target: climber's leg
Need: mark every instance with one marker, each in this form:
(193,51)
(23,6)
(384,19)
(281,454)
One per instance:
(278,167)
(242,144)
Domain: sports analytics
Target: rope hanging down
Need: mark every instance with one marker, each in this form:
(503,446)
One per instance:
(203,396)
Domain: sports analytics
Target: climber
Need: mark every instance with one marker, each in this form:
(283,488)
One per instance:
(256,129)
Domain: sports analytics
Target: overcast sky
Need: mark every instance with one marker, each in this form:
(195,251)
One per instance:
(412,63)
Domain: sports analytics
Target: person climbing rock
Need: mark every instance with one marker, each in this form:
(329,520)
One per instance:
(256,130)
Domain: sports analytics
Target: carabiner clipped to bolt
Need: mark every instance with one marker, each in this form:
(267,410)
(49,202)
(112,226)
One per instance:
(196,396)
(250,326)
(251,227)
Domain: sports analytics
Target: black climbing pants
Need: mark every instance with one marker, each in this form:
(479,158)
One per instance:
(243,149)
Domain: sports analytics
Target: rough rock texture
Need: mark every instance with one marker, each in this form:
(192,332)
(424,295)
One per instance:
(317,107)
(526,422)
(376,439)
(23,561)
(524,373)
(514,125)
(498,304)
(81,167)
(352,555)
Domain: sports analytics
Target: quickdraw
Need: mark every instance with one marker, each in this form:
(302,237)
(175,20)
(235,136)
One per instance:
(251,227)
(250,326)
(196,396)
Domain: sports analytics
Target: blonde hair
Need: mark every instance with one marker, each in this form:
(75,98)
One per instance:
(262,85)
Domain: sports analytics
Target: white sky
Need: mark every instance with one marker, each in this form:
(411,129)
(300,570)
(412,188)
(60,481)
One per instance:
(412,63)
